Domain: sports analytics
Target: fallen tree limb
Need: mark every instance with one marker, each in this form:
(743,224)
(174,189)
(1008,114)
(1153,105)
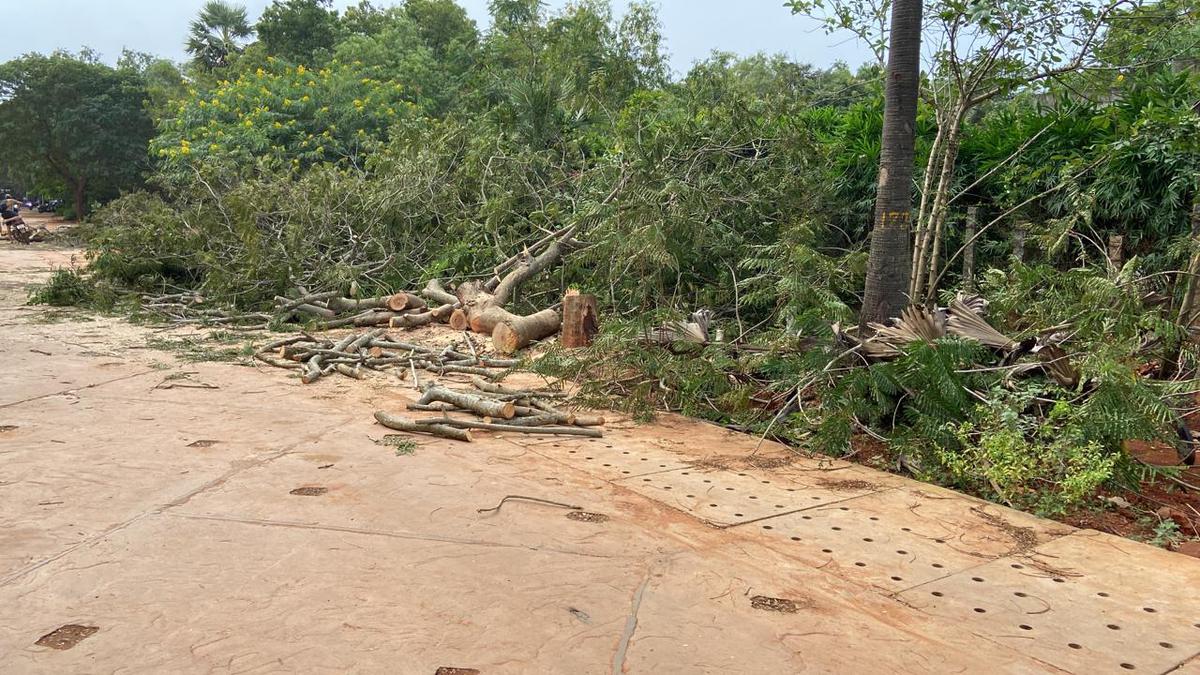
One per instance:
(477,404)
(493,426)
(404,424)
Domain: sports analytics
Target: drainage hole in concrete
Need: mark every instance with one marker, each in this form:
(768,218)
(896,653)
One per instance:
(707,480)
(608,465)
(1073,645)
(666,487)
(202,444)
(753,497)
(766,482)
(4,428)
(741,474)
(769,604)
(1019,594)
(587,516)
(937,594)
(767,527)
(779,506)
(897,579)
(1025,627)
(806,517)
(905,529)
(873,518)
(902,552)
(1149,609)
(1102,594)
(826,550)
(1166,645)
(816,498)
(624,472)
(1113,626)
(713,505)
(587,458)
(310,491)
(448,670)
(938,565)
(795,538)
(569,452)
(691,495)
(836,528)
(646,480)
(980,610)
(1017,566)
(868,539)
(1058,581)
(860,564)
(737,515)
(65,637)
(730,489)
(845,508)
(940,541)
(977,579)
(645,459)
(1128,666)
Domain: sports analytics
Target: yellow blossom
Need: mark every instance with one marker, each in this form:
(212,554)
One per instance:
(300,69)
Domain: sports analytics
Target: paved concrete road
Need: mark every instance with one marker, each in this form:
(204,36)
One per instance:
(147,515)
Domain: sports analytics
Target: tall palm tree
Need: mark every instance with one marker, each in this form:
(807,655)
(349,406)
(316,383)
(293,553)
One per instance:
(889,265)
(217,32)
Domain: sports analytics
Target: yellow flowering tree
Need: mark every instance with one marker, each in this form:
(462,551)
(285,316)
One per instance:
(283,115)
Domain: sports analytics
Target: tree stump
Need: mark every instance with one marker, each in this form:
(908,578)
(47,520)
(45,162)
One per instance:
(580,319)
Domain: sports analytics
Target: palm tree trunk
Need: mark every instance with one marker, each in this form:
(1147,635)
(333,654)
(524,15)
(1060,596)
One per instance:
(888,268)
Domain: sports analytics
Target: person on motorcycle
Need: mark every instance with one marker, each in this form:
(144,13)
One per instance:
(10,217)
(9,209)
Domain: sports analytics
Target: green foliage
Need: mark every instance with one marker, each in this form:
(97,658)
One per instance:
(67,287)
(1045,463)
(300,31)
(71,121)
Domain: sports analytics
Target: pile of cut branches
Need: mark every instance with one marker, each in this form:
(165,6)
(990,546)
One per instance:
(494,407)
(375,350)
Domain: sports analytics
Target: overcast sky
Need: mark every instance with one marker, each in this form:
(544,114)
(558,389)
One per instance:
(693,28)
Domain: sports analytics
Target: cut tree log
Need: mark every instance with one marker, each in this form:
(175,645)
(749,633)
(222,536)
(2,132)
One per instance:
(580,320)
(486,321)
(476,404)
(353,305)
(405,424)
(398,302)
(518,332)
(411,320)
(459,320)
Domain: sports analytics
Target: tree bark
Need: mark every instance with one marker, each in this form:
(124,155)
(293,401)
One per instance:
(79,192)
(937,214)
(968,281)
(889,266)
(580,321)
(1018,240)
